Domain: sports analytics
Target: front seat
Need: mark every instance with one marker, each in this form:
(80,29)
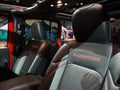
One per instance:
(80,64)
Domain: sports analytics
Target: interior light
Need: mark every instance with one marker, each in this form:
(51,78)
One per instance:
(59,5)
(81,3)
(59,2)
(66,4)
(52,5)
(77,3)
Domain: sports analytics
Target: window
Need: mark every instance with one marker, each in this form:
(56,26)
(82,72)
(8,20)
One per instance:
(67,32)
(53,32)
(51,28)
(3,31)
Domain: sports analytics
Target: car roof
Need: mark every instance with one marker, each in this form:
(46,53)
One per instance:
(49,9)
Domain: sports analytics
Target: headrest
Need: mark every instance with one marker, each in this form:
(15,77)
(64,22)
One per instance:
(89,24)
(38,31)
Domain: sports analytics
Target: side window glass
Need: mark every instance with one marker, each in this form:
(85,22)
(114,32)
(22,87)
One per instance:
(53,32)
(3,31)
(27,34)
(51,29)
(66,32)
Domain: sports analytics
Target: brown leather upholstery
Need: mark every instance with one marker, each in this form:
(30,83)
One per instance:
(20,83)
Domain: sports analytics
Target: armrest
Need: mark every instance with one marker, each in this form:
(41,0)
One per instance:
(29,82)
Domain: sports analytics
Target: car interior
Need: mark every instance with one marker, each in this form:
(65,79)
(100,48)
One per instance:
(59,45)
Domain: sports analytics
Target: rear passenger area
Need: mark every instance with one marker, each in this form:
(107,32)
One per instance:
(36,56)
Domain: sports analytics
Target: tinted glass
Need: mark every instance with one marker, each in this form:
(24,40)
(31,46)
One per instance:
(3,31)
(67,31)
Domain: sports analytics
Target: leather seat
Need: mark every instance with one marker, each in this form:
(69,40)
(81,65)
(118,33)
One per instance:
(35,58)
(80,64)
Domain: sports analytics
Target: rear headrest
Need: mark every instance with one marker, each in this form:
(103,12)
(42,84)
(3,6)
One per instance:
(38,31)
(89,24)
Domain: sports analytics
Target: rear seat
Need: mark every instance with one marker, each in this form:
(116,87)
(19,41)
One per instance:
(35,58)
(36,54)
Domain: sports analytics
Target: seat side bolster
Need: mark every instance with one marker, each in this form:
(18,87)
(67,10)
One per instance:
(109,84)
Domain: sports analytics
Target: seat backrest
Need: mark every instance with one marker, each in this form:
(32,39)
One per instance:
(32,57)
(112,80)
(82,64)
(38,31)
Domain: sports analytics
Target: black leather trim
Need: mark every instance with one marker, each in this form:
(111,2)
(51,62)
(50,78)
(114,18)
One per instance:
(86,20)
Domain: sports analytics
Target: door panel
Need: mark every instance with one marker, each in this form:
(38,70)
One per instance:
(4,57)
